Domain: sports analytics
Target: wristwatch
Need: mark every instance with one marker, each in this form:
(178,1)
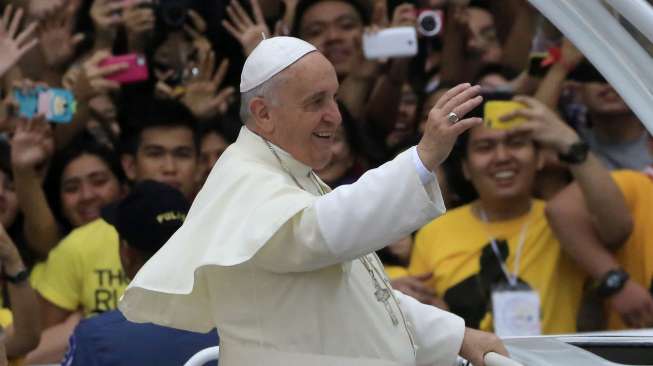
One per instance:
(18,278)
(576,154)
(612,282)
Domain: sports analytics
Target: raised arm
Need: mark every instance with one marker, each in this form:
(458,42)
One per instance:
(602,196)
(26,328)
(86,82)
(336,227)
(571,221)
(14,44)
(29,156)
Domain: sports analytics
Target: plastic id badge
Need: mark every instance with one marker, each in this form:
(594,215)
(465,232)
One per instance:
(516,312)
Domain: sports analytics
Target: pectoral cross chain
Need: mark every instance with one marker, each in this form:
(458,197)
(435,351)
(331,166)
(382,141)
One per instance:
(382,294)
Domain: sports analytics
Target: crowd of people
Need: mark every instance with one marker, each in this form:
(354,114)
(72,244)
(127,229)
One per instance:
(556,206)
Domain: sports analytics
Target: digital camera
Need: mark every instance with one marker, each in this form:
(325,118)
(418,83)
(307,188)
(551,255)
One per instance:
(430,22)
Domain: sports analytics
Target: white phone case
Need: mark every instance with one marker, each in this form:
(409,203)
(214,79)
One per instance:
(390,43)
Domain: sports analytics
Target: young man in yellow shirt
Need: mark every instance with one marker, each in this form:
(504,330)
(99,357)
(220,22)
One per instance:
(617,252)
(496,261)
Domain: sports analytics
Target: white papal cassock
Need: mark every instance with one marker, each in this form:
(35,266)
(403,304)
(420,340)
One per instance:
(285,273)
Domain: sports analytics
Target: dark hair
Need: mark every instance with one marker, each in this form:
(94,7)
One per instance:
(15,230)
(304,5)
(83,23)
(222,127)
(5,158)
(506,72)
(83,144)
(148,113)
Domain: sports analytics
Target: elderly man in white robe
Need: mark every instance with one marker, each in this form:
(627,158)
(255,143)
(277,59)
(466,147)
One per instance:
(283,266)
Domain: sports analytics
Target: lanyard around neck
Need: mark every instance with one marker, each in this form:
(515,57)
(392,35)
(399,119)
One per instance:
(510,277)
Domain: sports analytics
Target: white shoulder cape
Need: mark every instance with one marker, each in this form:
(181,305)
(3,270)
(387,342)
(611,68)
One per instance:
(256,198)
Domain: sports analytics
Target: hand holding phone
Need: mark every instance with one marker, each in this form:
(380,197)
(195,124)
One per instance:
(57,105)
(136,70)
(390,43)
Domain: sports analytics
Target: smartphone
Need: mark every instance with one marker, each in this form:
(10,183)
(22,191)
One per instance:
(390,43)
(57,105)
(135,72)
(495,109)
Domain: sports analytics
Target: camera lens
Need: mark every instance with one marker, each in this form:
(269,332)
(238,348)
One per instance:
(429,23)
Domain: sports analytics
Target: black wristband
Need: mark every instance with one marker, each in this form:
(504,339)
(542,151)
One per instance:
(19,277)
(576,154)
(612,282)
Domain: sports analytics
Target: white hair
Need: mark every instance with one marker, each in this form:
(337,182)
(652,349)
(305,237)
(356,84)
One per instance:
(267,90)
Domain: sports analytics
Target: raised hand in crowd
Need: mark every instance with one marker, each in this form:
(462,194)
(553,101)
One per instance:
(249,32)
(40,8)
(202,94)
(404,15)
(31,147)
(89,80)
(14,44)
(107,17)
(23,335)
(139,22)
(634,303)
(56,38)
(379,14)
(544,124)
(445,123)
(416,287)
(195,28)
(288,19)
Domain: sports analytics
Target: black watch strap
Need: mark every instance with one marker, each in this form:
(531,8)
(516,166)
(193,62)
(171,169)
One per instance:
(19,277)
(576,154)
(612,282)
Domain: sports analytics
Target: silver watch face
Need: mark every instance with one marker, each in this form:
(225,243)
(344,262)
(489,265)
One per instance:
(613,280)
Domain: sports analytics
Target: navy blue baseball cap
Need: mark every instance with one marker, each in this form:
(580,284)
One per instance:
(148,216)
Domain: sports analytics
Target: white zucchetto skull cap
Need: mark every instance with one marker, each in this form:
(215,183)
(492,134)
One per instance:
(269,58)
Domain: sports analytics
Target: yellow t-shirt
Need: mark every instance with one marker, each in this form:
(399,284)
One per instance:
(6,319)
(636,255)
(395,271)
(452,247)
(83,271)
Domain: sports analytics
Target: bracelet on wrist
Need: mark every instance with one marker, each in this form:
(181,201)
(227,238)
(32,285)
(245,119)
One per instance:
(612,282)
(18,278)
